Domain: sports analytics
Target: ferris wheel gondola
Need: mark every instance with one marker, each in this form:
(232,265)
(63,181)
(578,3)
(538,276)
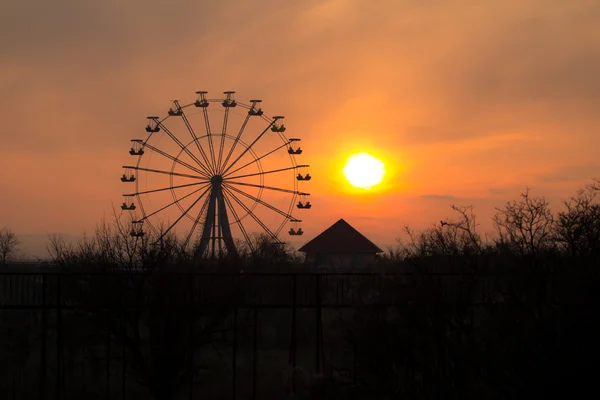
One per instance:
(295,229)
(301,176)
(303,202)
(294,147)
(128,204)
(212,184)
(137,147)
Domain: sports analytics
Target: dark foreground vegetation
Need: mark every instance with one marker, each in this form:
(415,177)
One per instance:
(447,314)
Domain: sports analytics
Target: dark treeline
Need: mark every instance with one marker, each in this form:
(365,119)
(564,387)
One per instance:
(511,316)
(448,313)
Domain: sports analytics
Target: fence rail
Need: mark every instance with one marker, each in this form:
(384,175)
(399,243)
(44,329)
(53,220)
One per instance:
(264,290)
(274,322)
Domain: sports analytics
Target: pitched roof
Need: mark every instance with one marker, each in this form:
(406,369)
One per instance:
(340,238)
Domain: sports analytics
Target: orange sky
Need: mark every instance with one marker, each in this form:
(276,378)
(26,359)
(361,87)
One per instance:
(467,102)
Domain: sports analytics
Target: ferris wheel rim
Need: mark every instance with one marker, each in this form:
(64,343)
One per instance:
(220,168)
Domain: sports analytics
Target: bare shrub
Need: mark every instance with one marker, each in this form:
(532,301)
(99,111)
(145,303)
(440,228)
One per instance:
(525,226)
(9,244)
(577,229)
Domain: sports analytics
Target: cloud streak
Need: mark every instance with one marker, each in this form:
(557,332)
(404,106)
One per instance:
(461,96)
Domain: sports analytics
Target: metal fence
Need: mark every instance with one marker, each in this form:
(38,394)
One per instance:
(272,328)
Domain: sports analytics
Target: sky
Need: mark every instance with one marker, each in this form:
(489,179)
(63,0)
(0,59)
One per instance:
(466,102)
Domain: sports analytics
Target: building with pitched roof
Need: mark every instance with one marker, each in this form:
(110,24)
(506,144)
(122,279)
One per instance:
(340,245)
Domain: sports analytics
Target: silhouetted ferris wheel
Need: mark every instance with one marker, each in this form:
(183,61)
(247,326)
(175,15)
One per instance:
(213,170)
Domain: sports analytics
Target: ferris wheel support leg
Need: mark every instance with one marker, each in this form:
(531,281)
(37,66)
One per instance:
(226,229)
(208,224)
(222,222)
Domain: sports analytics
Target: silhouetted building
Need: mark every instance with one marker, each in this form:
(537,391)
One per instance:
(340,245)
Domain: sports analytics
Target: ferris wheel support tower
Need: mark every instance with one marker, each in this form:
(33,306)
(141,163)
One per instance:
(216,180)
(217,222)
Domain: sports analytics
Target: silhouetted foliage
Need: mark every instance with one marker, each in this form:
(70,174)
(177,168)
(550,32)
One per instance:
(451,245)
(496,328)
(525,226)
(446,314)
(9,243)
(577,229)
(263,253)
(142,295)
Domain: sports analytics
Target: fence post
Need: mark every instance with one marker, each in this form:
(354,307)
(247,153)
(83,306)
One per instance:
(108,356)
(354,363)
(318,326)
(254,351)
(292,358)
(234,350)
(123,373)
(44,358)
(192,317)
(58,334)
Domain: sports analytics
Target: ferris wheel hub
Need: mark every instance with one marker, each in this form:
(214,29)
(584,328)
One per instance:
(216,180)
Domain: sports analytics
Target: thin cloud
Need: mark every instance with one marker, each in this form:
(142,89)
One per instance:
(576,173)
(437,197)
(429,90)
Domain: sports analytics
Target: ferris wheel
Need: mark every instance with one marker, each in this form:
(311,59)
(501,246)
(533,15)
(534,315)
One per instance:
(214,172)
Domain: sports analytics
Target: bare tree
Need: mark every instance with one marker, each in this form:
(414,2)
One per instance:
(9,244)
(525,226)
(113,248)
(595,185)
(152,305)
(466,228)
(577,228)
(450,237)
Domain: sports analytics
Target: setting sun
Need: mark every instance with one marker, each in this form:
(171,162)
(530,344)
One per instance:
(364,171)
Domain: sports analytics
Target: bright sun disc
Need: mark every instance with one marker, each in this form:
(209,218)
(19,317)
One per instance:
(364,171)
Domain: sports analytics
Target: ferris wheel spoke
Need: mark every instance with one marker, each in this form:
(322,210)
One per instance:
(239,223)
(259,158)
(237,138)
(209,135)
(249,211)
(169,188)
(180,217)
(259,201)
(184,148)
(264,187)
(222,145)
(177,160)
(268,172)
(158,171)
(196,221)
(207,187)
(247,149)
(194,137)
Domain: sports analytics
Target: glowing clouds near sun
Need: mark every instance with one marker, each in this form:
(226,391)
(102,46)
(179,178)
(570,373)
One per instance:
(364,171)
